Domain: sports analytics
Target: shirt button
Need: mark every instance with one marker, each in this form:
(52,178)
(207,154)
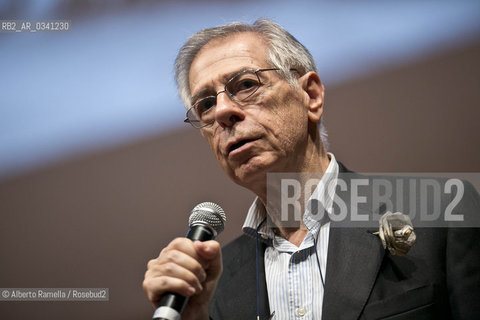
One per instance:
(301,312)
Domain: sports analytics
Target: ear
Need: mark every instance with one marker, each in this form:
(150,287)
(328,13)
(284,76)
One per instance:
(313,88)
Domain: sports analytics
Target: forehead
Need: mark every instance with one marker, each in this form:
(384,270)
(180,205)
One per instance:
(223,57)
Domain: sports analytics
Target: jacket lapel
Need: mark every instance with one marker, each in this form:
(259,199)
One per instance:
(354,259)
(353,262)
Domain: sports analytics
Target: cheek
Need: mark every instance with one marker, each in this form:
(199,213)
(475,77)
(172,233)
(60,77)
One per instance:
(211,141)
(214,143)
(287,119)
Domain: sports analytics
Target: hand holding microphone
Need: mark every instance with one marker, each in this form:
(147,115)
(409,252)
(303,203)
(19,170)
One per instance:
(186,271)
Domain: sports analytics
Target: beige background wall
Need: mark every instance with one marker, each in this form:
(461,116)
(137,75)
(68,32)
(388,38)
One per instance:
(94,221)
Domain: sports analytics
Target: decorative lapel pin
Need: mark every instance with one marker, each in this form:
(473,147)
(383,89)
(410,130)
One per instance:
(396,232)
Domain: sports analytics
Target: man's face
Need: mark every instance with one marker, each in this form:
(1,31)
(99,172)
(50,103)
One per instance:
(249,140)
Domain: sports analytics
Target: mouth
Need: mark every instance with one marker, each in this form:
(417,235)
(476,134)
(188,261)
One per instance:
(237,145)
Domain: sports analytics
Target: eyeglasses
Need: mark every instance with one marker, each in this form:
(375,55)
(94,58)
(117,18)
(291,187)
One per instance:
(240,88)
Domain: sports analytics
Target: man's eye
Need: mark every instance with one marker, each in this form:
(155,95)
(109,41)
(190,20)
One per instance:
(205,105)
(245,85)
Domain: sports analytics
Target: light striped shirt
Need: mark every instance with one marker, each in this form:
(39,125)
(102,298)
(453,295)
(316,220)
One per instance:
(294,279)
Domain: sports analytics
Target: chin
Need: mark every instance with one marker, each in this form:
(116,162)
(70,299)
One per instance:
(252,173)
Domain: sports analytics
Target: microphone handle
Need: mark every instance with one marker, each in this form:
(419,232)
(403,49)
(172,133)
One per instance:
(172,304)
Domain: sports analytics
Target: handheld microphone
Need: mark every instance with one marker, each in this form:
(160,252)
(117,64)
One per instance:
(206,221)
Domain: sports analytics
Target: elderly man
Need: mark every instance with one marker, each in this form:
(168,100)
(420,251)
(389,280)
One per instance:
(254,93)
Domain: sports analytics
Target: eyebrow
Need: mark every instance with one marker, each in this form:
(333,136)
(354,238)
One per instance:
(205,92)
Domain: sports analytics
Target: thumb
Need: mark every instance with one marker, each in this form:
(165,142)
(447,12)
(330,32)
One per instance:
(211,253)
(208,249)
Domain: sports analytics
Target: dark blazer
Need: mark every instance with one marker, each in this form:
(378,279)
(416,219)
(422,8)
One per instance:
(438,279)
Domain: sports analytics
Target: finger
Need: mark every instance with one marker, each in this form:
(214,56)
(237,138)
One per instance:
(156,287)
(172,258)
(173,270)
(182,244)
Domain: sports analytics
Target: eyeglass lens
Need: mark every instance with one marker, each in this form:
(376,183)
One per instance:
(239,88)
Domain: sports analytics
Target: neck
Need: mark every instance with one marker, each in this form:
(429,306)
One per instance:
(293,235)
(289,223)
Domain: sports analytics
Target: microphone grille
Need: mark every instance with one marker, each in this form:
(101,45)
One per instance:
(210,213)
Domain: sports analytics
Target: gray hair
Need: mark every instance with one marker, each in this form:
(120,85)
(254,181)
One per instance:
(284,52)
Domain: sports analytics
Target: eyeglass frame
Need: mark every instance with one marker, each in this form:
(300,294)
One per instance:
(231,96)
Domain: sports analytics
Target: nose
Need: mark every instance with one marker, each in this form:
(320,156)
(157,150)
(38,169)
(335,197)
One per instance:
(227,111)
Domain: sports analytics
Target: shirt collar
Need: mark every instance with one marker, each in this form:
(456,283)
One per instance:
(322,195)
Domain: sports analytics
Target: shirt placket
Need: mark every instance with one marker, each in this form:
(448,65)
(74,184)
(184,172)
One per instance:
(301,284)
